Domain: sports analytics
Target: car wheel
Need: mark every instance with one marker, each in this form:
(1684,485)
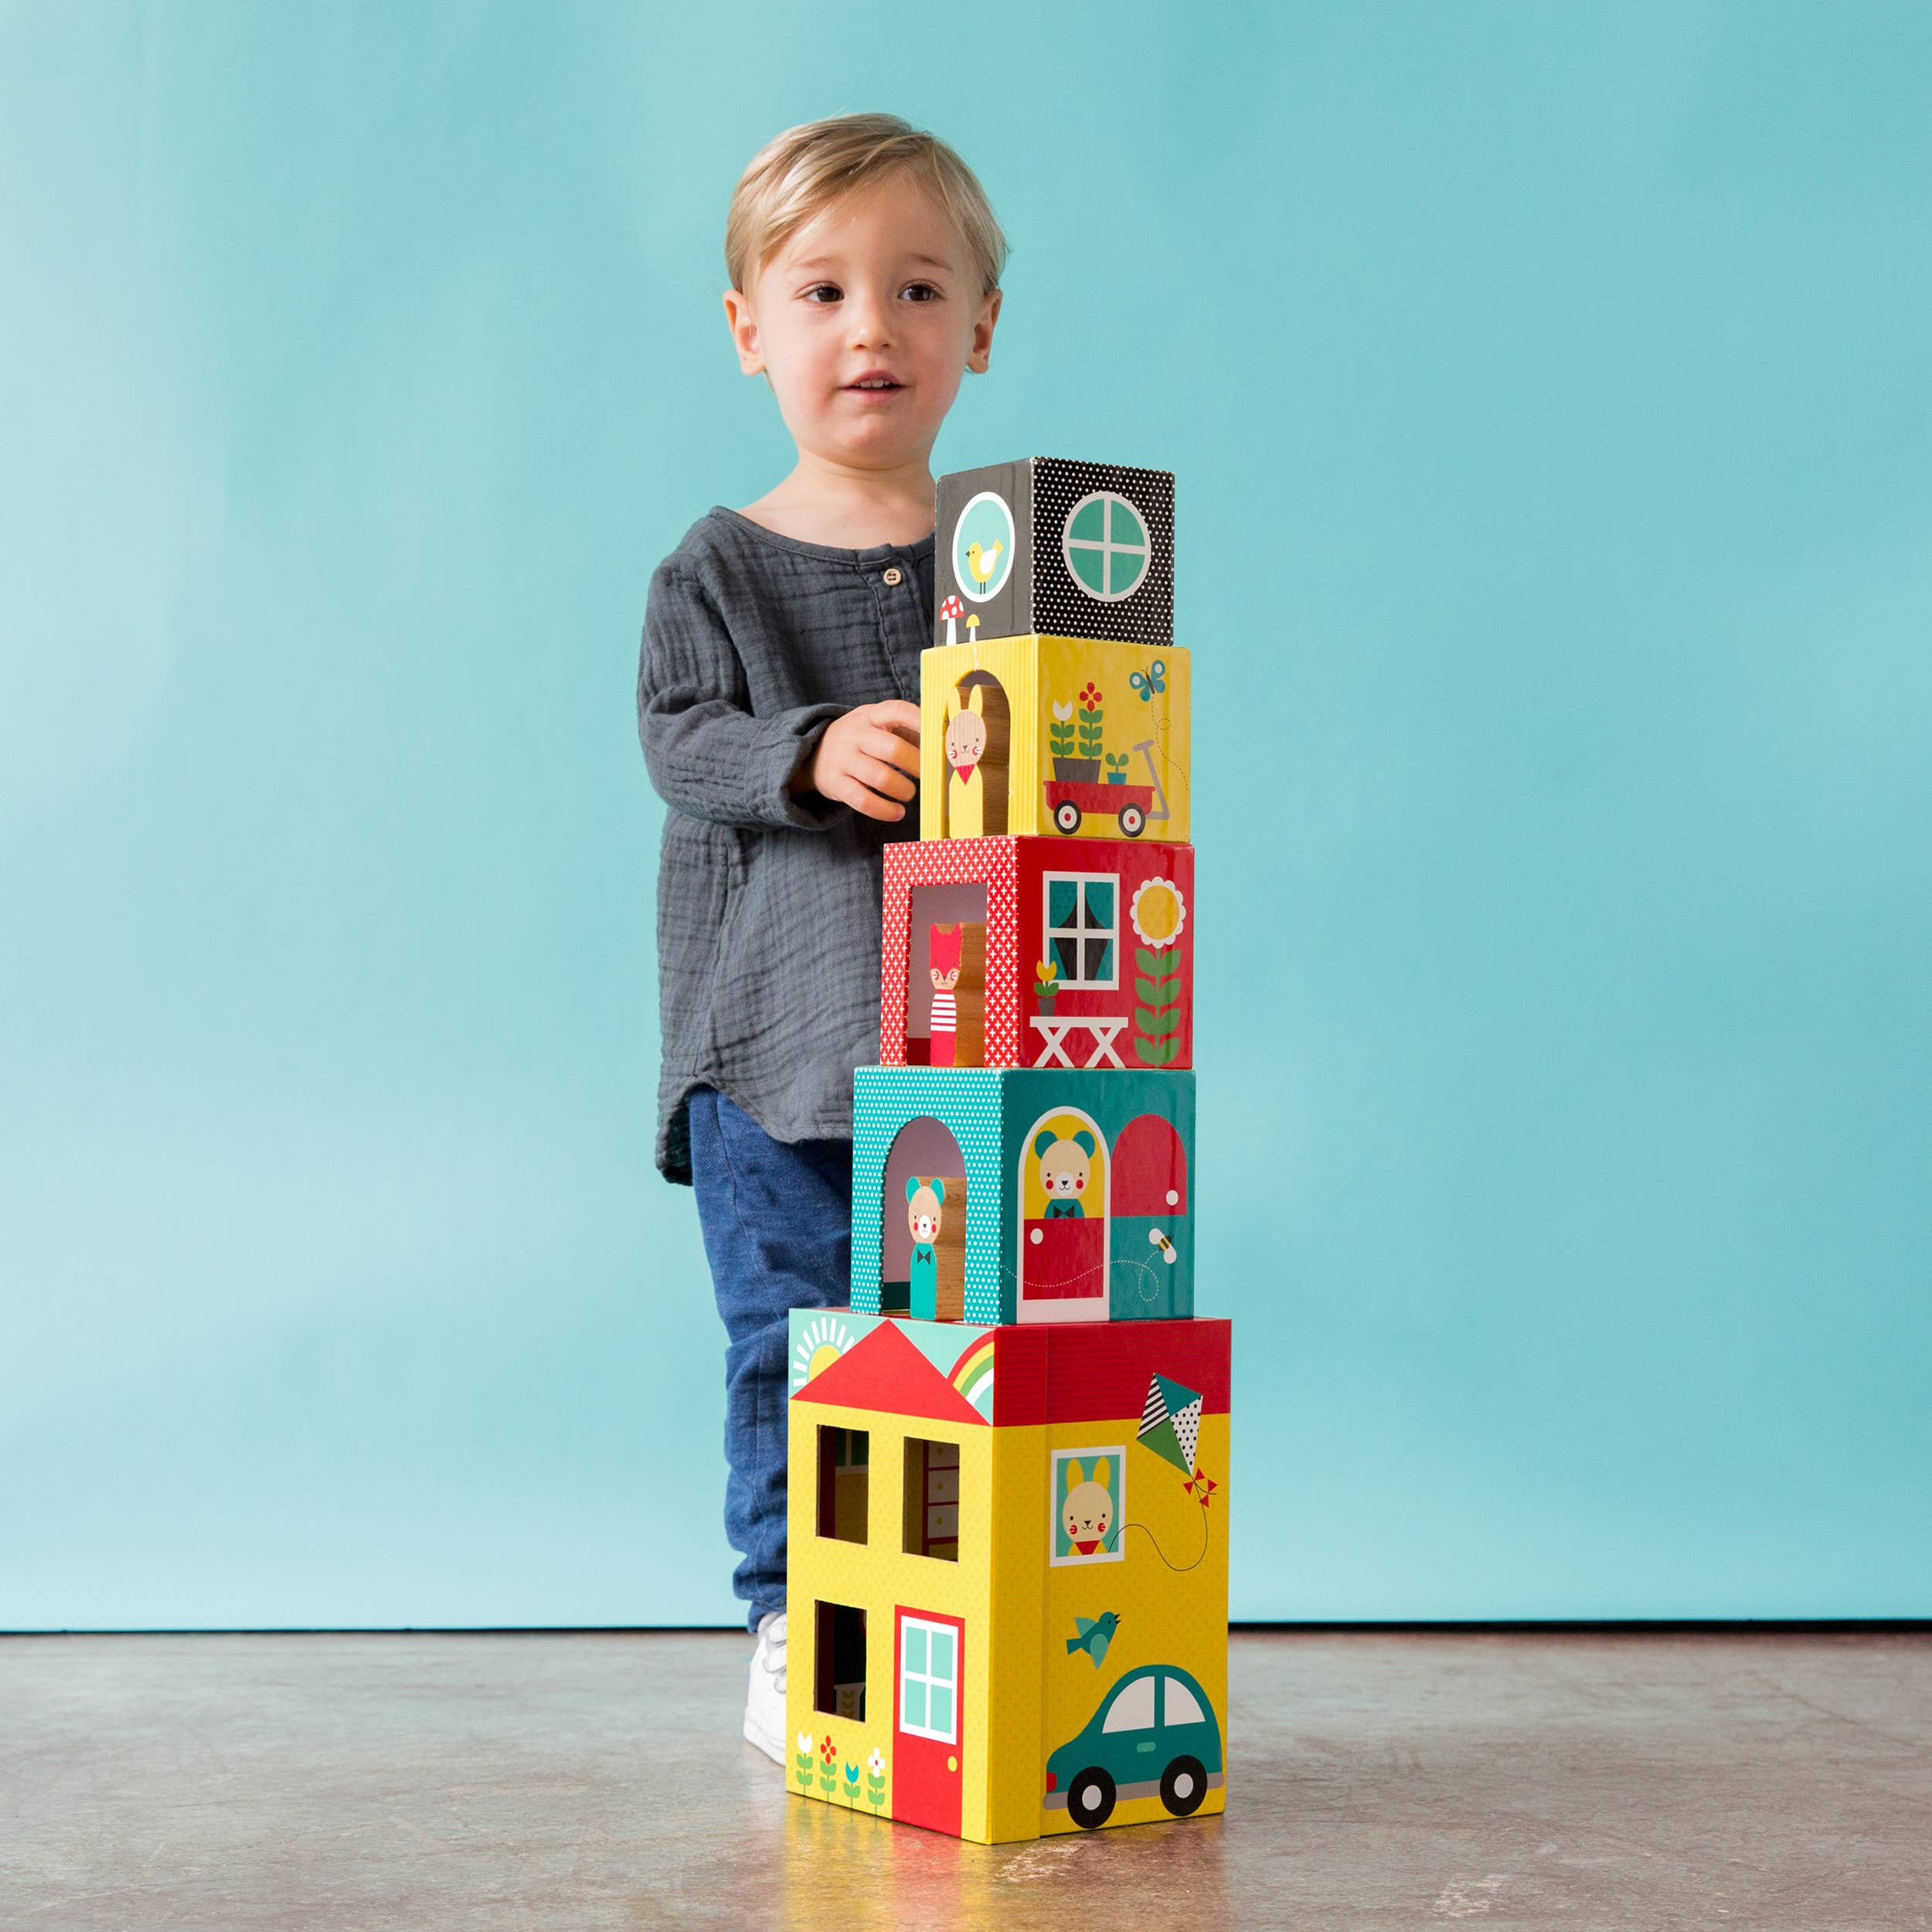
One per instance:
(1183,1785)
(1090,1799)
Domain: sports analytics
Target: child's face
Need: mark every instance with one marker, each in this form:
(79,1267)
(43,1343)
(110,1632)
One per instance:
(875,285)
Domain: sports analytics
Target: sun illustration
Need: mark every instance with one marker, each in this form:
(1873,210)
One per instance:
(1158,913)
(820,1344)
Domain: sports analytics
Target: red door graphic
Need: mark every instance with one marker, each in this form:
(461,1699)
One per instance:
(928,1679)
(1065,1261)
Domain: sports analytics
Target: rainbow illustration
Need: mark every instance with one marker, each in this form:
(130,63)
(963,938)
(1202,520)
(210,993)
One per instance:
(973,1374)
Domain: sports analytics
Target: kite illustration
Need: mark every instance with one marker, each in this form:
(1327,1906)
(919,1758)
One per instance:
(1171,1423)
(1171,1426)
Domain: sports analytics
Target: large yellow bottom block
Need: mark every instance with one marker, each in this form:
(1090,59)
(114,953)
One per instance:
(1014,1622)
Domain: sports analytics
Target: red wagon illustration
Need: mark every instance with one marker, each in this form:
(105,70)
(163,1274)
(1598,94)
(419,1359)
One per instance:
(1070,798)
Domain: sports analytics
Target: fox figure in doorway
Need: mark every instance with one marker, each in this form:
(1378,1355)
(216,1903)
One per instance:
(965,783)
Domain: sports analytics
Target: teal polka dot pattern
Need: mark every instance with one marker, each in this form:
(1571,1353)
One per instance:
(967,1100)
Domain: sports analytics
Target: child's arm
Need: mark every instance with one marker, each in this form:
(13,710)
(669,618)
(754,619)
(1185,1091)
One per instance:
(706,753)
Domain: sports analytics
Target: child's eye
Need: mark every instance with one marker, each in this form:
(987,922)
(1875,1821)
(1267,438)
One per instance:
(920,292)
(823,292)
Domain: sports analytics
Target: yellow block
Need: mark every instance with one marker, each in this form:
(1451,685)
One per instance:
(1082,737)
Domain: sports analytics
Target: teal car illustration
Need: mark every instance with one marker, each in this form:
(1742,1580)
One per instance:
(1154,1735)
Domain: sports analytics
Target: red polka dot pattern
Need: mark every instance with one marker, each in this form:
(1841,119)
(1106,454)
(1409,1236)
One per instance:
(992,862)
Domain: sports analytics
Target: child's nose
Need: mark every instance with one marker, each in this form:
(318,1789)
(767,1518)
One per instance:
(868,319)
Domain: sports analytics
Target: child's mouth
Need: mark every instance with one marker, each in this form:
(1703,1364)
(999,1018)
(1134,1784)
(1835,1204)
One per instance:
(871,386)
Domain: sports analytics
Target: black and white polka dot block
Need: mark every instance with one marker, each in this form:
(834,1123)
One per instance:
(1049,545)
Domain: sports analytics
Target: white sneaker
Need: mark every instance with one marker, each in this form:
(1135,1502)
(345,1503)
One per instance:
(765,1699)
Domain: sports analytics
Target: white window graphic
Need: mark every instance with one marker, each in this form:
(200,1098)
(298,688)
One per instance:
(929,1680)
(1107,546)
(1134,1709)
(1082,927)
(1182,1708)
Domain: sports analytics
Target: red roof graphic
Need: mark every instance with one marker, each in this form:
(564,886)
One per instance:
(886,1373)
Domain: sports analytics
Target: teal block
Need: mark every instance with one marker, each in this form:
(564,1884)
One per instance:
(1079,1187)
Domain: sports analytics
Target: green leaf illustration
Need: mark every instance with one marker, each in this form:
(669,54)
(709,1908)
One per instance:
(1155,1053)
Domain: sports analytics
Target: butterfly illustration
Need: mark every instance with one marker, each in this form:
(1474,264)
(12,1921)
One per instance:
(1155,679)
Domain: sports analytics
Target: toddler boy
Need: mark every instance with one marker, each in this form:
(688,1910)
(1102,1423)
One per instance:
(778,703)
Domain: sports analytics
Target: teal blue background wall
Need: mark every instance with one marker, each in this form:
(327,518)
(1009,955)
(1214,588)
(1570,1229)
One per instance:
(1548,390)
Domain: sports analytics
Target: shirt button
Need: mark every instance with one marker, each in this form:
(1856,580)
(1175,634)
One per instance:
(895,575)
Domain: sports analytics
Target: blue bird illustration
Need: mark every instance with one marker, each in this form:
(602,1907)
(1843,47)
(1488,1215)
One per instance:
(1096,1633)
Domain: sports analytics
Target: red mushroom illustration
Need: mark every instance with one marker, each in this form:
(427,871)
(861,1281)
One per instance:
(951,611)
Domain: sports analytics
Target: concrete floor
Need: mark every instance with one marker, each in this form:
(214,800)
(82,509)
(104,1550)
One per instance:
(1376,1780)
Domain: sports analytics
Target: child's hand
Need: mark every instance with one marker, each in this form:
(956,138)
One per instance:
(868,760)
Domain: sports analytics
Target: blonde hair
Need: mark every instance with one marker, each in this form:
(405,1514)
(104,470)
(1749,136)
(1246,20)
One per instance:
(806,168)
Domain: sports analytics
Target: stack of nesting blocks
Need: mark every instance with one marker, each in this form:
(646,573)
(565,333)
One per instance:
(1009,1529)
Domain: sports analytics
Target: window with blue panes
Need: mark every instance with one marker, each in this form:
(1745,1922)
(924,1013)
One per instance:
(928,1680)
(1082,927)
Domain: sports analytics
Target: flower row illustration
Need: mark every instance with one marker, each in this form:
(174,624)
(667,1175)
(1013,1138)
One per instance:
(836,1778)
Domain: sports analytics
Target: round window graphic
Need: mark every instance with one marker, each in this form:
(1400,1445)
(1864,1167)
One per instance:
(1107,546)
(983,547)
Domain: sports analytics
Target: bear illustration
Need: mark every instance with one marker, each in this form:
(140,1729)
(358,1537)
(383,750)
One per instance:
(1087,1513)
(1063,1171)
(924,1200)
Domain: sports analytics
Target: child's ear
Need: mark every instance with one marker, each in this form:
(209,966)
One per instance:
(744,332)
(981,352)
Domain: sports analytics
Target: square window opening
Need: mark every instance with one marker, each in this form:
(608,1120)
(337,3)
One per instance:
(845,1483)
(838,1673)
(931,1525)
(946,975)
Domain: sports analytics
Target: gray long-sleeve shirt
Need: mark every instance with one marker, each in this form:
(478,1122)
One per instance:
(768,904)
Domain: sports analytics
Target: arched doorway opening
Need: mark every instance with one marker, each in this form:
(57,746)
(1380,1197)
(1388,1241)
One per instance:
(979,735)
(922,1225)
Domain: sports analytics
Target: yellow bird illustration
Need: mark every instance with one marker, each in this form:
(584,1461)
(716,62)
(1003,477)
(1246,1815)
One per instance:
(983,563)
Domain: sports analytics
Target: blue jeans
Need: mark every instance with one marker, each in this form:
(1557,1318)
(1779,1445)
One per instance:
(776,1219)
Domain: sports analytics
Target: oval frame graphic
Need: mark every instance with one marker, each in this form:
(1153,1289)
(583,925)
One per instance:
(973,592)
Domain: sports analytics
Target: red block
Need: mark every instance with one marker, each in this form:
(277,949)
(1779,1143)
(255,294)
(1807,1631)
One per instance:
(1114,917)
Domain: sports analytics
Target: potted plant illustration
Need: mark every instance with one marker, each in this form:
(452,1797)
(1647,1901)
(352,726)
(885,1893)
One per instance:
(1046,985)
(1076,741)
(1117,768)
